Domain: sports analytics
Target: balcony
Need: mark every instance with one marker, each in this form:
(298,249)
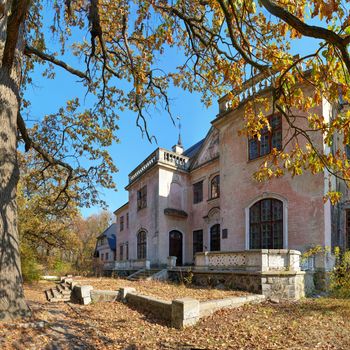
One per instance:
(256,85)
(160,156)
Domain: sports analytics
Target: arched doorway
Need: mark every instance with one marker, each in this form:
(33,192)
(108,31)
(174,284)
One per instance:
(175,245)
(215,238)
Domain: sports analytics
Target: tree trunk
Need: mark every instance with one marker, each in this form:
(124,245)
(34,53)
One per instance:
(12,303)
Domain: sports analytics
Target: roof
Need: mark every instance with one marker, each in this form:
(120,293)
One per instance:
(109,232)
(193,150)
(121,207)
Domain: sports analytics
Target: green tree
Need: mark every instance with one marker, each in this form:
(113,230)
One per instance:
(224,43)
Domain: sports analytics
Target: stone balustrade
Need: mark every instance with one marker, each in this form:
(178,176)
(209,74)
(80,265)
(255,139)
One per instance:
(160,156)
(127,265)
(250,260)
(253,86)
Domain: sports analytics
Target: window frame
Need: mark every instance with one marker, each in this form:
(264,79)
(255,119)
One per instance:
(270,134)
(121,223)
(271,222)
(121,252)
(142,198)
(197,194)
(141,245)
(196,243)
(215,230)
(217,179)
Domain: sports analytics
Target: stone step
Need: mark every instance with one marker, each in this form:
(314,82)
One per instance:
(62,290)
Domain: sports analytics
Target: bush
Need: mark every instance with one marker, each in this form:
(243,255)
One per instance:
(62,267)
(340,276)
(30,268)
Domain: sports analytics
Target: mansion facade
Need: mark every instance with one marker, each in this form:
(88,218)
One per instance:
(204,198)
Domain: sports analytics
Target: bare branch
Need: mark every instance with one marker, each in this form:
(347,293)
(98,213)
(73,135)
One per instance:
(29,50)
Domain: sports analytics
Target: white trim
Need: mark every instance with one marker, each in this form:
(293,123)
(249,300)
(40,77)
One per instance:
(266,195)
(329,180)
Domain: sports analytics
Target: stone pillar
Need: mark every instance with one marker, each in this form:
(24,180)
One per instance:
(82,293)
(124,291)
(184,312)
(294,260)
(171,261)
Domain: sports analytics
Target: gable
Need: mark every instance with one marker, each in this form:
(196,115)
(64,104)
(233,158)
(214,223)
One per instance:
(209,149)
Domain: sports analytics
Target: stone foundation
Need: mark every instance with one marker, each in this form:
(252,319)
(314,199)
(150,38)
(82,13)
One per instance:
(273,284)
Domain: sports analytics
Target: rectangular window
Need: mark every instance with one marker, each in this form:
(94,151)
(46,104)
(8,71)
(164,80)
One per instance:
(127,250)
(106,256)
(127,220)
(102,257)
(197,241)
(121,223)
(198,192)
(121,252)
(142,198)
(269,139)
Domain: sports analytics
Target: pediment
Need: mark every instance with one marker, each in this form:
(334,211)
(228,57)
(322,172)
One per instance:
(209,149)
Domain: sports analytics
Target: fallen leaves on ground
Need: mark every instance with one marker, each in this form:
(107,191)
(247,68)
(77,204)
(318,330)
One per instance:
(308,324)
(163,290)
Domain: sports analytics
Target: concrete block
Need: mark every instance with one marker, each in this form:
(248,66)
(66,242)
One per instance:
(184,312)
(85,291)
(86,300)
(124,291)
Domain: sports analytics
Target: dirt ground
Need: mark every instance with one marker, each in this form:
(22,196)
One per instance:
(308,324)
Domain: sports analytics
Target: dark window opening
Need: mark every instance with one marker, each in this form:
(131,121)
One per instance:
(121,223)
(197,241)
(198,192)
(215,238)
(121,251)
(269,139)
(141,245)
(142,198)
(266,224)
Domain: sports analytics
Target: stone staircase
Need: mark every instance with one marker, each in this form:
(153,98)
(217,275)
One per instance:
(61,292)
(144,274)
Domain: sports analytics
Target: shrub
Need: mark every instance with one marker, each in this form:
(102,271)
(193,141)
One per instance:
(62,267)
(30,268)
(340,276)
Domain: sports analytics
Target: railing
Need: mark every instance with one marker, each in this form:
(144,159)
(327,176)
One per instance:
(145,165)
(250,260)
(127,264)
(250,88)
(160,156)
(173,158)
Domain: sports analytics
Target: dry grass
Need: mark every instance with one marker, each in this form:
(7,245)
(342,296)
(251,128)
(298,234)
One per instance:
(309,324)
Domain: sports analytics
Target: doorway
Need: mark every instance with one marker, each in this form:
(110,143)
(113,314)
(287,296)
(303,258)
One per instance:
(175,246)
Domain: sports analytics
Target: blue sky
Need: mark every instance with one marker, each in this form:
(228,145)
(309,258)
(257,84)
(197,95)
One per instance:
(47,96)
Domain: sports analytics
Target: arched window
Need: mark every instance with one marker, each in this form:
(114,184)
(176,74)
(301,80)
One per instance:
(215,238)
(215,187)
(266,224)
(141,245)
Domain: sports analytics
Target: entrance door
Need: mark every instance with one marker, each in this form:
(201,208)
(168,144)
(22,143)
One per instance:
(175,246)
